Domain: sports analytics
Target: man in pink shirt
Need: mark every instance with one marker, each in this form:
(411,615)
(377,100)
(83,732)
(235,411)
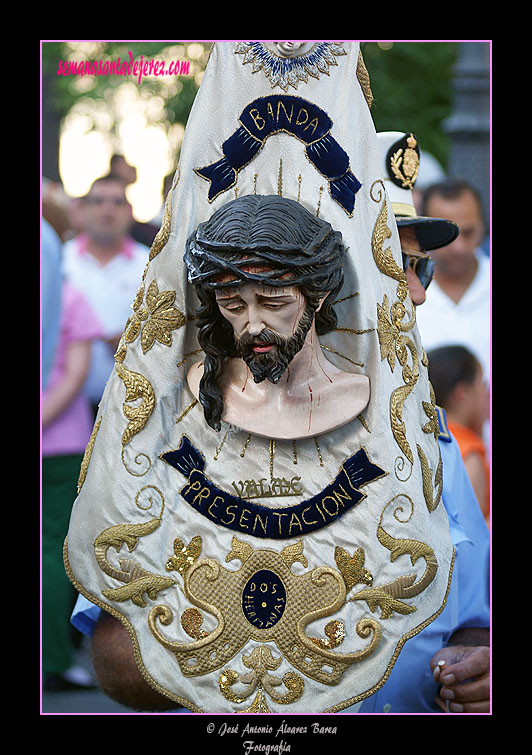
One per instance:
(106,265)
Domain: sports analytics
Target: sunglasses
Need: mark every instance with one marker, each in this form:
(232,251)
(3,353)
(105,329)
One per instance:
(421,265)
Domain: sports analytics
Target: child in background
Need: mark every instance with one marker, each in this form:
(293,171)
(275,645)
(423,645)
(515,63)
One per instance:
(457,379)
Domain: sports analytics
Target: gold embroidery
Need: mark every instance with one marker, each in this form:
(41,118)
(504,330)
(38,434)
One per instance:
(243,452)
(137,387)
(363,79)
(319,202)
(186,356)
(139,459)
(383,257)
(311,595)
(278,487)
(160,318)
(335,634)
(390,330)
(389,597)
(426,472)
(136,579)
(352,567)
(261,661)
(319,451)
(215,457)
(164,318)
(405,166)
(191,621)
(87,455)
(187,410)
(345,298)
(354,330)
(184,555)
(163,234)
(364,423)
(432,426)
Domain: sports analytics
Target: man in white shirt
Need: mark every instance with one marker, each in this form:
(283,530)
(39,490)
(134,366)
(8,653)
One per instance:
(457,309)
(106,265)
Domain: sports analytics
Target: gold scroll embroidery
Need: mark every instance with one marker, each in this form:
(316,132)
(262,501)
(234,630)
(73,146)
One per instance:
(391,596)
(136,580)
(261,662)
(311,595)
(137,386)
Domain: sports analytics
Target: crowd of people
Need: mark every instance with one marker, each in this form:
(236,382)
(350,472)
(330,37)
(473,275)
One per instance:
(92,264)
(93,257)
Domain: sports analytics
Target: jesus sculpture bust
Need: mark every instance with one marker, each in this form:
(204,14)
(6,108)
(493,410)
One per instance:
(266,272)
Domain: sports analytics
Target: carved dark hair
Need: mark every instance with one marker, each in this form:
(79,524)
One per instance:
(267,240)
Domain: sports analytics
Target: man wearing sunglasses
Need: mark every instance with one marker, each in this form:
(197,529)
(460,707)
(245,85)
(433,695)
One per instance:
(461,641)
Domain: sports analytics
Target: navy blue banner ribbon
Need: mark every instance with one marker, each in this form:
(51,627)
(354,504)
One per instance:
(260,521)
(284,113)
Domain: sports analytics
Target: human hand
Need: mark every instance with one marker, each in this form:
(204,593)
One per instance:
(464,673)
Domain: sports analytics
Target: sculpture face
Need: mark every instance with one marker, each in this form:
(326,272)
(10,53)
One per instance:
(269,324)
(262,266)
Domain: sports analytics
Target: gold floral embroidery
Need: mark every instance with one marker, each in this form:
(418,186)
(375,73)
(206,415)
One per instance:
(391,328)
(159,316)
(164,318)
(191,621)
(334,635)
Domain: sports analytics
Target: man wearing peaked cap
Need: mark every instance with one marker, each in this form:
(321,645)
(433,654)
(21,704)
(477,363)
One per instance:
(460,635)
(281,564)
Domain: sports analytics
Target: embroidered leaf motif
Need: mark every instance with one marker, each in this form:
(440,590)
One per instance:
(387,333)
(150,584)
(385,599)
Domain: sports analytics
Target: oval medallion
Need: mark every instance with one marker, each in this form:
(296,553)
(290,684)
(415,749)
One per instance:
(264,599)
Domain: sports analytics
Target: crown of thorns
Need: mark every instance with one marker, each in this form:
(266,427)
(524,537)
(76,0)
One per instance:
(265,239)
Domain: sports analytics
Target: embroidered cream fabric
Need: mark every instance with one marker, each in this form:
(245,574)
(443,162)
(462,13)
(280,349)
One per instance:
(222,618)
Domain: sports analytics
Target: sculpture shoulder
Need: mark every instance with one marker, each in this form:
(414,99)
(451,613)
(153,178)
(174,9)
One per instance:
(194,376)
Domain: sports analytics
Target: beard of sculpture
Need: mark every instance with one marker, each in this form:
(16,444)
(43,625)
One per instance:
(272,365)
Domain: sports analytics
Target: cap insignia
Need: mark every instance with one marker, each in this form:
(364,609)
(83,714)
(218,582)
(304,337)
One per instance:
(402,162)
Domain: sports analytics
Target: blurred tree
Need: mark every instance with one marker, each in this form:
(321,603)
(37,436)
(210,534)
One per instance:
(412,89)
(60,93)
(411,84)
